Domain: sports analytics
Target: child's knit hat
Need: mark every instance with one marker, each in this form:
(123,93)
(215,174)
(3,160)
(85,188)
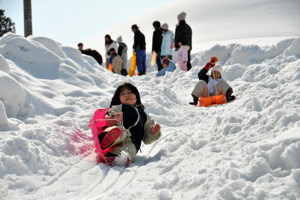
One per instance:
(214,59)
(165,26)
(217,67)
(181,16)
(119,39)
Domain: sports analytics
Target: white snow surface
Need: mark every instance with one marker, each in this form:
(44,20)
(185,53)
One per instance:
(246,149)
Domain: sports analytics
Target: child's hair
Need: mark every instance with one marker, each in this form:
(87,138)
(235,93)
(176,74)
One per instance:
(116,98)
(112,52)
(165,61)
(109,39)
(156,24)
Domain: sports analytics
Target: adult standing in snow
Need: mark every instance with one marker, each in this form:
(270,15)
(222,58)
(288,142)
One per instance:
(109,44)
(139,47)
(166,46)
(122,51)
(156,43)
(183,34)
(95,54)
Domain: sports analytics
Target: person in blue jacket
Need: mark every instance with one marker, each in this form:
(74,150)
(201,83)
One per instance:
(168,65)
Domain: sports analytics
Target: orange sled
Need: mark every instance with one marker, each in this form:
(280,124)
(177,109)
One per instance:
(208,101)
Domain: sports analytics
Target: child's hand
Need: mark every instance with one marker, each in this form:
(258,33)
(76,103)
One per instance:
(155,129)
(113,120)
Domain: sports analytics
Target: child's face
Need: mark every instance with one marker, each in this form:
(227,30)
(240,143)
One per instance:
(215,74)
(127,97)
(165,65)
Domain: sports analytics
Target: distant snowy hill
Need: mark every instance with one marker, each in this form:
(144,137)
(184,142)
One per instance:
(213,22)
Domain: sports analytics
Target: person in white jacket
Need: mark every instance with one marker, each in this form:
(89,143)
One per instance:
(109,44)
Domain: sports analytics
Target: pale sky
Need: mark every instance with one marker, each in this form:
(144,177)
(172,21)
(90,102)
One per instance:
(71,21)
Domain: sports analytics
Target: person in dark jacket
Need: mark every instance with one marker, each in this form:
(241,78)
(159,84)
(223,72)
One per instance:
(139,47)
(156,43)
(122,51)
(97,56)
(183,34)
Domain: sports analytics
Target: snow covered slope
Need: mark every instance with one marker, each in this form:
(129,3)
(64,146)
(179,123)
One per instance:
(247,149)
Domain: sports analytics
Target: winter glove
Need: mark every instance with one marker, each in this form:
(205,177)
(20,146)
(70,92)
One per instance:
(229,96)
(113,119)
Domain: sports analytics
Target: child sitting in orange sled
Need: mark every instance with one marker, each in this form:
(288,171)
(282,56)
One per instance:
(211,85)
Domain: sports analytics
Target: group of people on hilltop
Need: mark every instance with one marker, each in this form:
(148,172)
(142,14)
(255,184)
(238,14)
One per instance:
(116,55)
(163,43)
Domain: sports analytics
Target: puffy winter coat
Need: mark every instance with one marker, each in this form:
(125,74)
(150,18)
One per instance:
(139,41)
(183,33)
(157,40)
(95,54)
(108,47)
(122,51)
(117,64)
(138,122)
(167,43)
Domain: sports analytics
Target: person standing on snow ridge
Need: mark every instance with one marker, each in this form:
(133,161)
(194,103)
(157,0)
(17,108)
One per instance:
(128,125)
(139,47)
(166,46)
(183,34)
(109,44)
(122,51)
(156,43)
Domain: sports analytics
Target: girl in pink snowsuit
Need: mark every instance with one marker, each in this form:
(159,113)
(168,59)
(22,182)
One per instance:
(183,56)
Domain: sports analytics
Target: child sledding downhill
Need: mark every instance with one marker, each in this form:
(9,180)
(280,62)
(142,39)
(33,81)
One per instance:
(211,85)
(127,124)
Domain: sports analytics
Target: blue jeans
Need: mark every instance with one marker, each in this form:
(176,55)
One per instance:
(141,61)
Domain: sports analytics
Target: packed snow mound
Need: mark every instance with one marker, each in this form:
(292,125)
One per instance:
(245,149)
(3,116)
(3,64)
(12,94)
